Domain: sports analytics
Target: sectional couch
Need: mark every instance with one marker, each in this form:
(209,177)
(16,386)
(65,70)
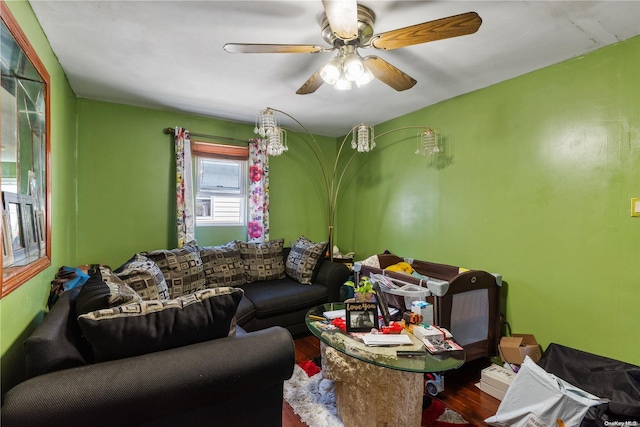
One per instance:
(189,336)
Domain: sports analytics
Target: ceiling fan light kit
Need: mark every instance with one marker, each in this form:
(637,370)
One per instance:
(345,69)
(347,26)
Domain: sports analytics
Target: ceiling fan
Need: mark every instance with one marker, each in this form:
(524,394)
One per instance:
(347,26)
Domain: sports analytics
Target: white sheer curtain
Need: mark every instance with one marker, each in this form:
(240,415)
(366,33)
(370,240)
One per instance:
(185,220)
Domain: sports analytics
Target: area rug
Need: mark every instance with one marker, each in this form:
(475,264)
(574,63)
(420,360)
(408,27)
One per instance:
(311,397)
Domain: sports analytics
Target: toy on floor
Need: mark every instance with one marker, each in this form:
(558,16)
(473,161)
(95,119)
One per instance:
(434,384)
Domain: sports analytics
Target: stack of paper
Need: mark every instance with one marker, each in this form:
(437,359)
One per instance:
(334,314)
(386,339)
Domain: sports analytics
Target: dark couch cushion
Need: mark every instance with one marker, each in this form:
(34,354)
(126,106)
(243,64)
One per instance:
(262,261)
(149,326)
(145,277)
(181,267)
(104,290)
(274,297)
(246,311)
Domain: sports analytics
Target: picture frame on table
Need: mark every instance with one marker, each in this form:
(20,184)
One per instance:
(361,316)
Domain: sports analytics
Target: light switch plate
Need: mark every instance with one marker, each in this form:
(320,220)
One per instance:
(635,206)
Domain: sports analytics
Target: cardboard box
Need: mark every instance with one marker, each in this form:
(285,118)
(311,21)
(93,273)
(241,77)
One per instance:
(514,349)
(497,377)
(495,380)
(492,391)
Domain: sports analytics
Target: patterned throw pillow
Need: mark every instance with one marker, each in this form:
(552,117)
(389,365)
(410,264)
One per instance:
(303,259)
(222,265)
(262,261)
(104,290)
(148,326)
(145,277)
(181,267)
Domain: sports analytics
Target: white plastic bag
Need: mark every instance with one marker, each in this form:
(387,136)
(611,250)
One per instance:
(537,398)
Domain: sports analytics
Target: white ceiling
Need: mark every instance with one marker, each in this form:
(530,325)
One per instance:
(169,54)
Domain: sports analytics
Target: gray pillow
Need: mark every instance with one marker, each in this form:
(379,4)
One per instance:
(262,261)
(303,258)
(181,267)
(144,276)
(222,265)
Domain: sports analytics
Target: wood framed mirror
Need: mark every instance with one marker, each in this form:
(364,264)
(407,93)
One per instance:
(26,172)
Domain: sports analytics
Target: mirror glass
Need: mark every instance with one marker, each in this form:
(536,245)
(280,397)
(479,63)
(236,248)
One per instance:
(25,151)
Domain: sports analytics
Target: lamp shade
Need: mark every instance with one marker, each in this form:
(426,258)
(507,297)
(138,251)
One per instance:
(331,72)
(363,138)
(266,121)
(353,67)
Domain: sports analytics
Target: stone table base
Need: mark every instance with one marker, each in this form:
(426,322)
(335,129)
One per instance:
(369,395)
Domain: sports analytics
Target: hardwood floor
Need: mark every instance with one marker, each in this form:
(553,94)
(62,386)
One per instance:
(460,393)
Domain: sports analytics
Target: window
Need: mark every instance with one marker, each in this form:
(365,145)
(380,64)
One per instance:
(221,191)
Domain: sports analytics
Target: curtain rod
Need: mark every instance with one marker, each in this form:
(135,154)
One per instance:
(172,131)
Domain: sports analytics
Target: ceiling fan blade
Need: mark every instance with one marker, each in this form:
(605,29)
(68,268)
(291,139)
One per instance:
(453,26)
(311,85)
(343,17)
(389,74)
(273,48)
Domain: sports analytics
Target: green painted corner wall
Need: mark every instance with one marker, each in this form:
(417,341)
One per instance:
(534,183)
(126,183)
(22,309)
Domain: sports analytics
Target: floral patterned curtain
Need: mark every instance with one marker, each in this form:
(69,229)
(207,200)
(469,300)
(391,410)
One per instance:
(258,228)
(184,187)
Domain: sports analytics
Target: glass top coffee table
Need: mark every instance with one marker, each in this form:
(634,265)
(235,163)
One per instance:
(376,385)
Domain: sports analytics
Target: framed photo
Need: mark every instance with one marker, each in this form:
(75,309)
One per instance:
(381,299)
(7,248)
(22,228)
(41,227)
(361,316)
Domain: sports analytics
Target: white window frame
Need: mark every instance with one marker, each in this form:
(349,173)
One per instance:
(216,197)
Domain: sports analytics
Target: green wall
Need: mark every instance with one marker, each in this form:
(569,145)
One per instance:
(534,183)
(126,183)
(22,310)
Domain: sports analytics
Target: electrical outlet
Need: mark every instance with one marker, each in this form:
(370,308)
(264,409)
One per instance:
(635,206)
